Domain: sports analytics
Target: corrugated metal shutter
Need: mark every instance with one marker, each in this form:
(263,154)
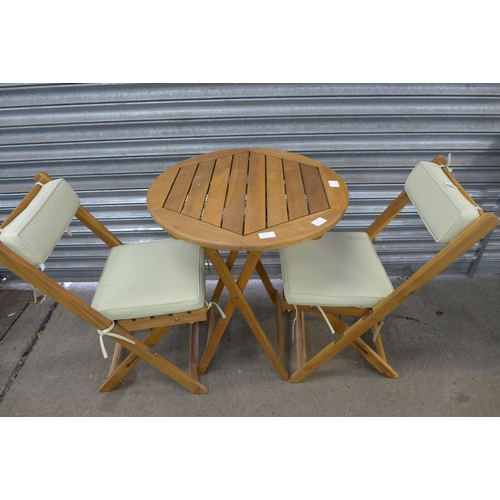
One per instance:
(110,141)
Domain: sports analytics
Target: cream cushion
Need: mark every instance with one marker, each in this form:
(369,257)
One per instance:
(341,269)
(34,233)
(150,279)
(443,208)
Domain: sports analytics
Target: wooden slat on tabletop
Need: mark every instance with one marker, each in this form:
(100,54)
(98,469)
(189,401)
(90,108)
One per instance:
(234,211)
(217,192)
(255,214)
(297,206)
(315,191)
(180,188)
(199,187)
(277,212)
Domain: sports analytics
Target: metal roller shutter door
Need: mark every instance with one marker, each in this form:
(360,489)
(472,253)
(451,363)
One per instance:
(110,141)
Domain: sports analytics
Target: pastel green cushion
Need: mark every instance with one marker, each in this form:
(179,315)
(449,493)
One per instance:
(443,208)
(341,269)
(151,279)
(34,233)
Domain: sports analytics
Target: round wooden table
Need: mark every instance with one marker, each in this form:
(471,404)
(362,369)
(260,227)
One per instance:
(247,200)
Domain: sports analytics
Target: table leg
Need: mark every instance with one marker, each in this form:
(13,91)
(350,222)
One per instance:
(231,258)
(235,288)
(217,293)
(276,298)
(215,337)
(265,280)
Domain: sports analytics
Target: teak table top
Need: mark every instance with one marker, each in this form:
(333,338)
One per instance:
(247,199)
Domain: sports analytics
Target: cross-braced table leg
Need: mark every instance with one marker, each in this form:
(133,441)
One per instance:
(237,300)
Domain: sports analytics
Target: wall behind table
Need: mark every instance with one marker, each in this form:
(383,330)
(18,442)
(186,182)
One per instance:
(110,141)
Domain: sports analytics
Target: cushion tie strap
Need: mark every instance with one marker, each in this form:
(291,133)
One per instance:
(210,304)
(324,316)
(448,163)
(293,322)
(34,293)
(36,299)
(326,319)
(377,330)
(108,332)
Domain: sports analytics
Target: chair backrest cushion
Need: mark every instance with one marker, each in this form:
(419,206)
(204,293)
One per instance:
(34,233)
(446,212)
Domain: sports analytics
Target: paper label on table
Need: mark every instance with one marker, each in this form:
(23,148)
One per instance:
(269,234)
(318,221)
(334,184)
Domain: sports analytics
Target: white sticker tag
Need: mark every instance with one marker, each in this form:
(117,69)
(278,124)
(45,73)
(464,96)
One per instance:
(334,184)
(269,234)
(318,221)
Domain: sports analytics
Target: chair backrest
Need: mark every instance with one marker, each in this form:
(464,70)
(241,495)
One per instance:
(444,209)
(450,214)
(34,233)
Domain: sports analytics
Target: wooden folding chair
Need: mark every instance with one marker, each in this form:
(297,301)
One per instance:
(153,285)
(341,274)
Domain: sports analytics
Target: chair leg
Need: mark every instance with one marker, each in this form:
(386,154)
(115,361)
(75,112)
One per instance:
(211,324)
(374,359)
(141,350)
(131,360)
(352,334)
(337,324)
(162,364)
(193,350)
(116,358)
(300,336)
(380,347)
(377,359)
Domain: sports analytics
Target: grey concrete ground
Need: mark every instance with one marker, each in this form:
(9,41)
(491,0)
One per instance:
(444,343)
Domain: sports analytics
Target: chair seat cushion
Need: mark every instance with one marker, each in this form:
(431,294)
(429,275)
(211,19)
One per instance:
(151,279)
(341,269)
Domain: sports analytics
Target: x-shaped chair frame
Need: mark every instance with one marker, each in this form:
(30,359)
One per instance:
(139,350)
(372,318)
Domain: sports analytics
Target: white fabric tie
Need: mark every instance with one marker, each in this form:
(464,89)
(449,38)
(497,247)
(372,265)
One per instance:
(377,330)
(108,332)
(324,316)
(35,299)
(210,304)
(293,322)
(327,320)
(34,293)
(448,163)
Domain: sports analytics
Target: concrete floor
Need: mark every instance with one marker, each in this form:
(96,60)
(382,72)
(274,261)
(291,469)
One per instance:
(444,343)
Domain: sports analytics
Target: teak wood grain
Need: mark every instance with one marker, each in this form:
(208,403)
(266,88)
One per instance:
(226,200)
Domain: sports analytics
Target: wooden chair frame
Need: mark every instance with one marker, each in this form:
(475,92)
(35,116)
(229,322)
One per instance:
(370,319)
(139,350)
